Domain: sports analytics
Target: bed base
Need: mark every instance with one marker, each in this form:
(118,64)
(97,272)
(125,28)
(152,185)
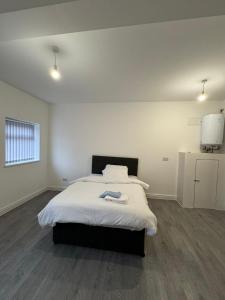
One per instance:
(107,238)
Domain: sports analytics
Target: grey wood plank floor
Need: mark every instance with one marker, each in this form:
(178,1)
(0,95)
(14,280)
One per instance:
(185,260)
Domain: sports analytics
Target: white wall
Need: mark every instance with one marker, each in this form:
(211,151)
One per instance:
(18,183)
(148,131)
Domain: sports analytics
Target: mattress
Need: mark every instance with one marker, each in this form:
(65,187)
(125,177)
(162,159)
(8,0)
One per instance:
(80,203)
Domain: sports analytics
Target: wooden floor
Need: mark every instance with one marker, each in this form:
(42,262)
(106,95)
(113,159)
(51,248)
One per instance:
(185,260)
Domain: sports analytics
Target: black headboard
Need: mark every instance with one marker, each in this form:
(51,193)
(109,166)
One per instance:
(99,163)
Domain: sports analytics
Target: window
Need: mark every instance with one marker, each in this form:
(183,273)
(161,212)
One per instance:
(22,142)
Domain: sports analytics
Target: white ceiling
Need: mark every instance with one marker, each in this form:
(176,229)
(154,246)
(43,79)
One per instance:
(148,62)
(83,15)
(12,5)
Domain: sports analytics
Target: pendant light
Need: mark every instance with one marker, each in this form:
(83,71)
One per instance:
(203,96)
(54,71)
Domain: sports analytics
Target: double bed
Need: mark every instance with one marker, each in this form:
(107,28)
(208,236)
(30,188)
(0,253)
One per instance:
(80,217)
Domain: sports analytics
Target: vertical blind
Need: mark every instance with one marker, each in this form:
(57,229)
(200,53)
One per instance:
(21,141)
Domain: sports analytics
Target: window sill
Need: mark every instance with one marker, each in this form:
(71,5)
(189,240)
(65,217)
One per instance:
(21,163)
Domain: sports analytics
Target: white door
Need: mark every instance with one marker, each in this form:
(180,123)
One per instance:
(205,183)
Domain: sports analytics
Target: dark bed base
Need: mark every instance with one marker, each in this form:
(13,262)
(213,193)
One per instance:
(107,238)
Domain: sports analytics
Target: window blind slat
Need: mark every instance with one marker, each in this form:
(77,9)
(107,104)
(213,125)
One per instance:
(22,141)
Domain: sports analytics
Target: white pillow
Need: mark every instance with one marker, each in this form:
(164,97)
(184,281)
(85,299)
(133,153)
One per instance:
(115,172)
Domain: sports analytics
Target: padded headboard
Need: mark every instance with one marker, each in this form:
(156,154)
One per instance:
(99,163)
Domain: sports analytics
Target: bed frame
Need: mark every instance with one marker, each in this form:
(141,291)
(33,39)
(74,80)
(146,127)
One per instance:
(114,239)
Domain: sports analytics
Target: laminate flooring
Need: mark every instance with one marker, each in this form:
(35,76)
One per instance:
(185,260)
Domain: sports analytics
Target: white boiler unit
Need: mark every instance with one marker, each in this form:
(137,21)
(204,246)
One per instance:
(212,130)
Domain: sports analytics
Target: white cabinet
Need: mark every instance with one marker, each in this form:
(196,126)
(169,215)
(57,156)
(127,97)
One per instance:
(201,180)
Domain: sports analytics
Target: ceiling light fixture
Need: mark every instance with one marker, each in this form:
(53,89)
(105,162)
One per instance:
(203,96)
(54,71)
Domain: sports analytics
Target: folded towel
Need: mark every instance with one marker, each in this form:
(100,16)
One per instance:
(122,200)
(111,194)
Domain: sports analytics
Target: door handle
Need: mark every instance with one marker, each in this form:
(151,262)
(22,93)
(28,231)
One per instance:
(196,180)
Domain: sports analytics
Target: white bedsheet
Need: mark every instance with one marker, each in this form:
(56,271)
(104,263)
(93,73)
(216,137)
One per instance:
(80,203)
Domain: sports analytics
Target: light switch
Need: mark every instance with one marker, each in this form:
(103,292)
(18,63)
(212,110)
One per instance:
(165,158)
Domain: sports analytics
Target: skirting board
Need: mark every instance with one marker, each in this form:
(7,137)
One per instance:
(56,188)
(21,201)
(149,195)
(161,196)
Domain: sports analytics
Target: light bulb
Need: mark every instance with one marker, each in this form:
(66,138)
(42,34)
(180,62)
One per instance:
(55,74)
(202,97)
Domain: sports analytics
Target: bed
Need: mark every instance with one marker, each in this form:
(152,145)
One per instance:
(79,217)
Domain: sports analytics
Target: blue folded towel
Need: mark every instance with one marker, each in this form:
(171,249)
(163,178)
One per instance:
(111,194)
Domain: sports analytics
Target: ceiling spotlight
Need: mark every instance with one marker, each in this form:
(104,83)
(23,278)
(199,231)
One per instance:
(203,96)
(54,71)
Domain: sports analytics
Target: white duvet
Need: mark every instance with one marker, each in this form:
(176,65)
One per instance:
(80,203)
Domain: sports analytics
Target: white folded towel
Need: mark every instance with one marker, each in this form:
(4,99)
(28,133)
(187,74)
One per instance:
(122,199)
